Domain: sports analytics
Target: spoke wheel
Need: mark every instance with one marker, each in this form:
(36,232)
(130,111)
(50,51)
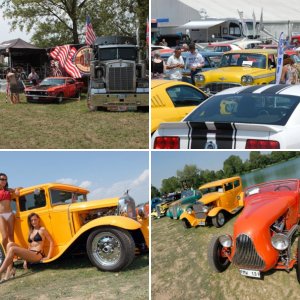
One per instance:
(110,249)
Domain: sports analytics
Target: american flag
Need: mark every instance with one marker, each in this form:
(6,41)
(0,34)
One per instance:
(64,55)
(90,35)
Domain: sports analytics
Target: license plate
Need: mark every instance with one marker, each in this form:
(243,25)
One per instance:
(122,108)
(202,223)
(121,96)
(35,97)
(250,273)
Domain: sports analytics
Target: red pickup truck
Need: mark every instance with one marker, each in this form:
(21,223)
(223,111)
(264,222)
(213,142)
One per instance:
(54,89)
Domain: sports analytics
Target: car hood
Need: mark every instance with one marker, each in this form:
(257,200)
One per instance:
(94,204)
(207,198)
(228,73)
(261,211)
(42,88)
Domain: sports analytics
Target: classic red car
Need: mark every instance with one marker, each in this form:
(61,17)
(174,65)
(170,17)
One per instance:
(264,232)
(54,89)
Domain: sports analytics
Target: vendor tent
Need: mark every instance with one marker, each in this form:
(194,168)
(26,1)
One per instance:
(23,54)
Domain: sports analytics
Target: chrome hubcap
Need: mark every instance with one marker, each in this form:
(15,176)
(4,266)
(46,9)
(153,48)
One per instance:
(221,219)
(106,248)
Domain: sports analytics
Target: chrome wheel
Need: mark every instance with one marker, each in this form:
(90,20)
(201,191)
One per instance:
(106,249)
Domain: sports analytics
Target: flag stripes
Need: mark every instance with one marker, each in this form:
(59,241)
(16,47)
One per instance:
(90,35)
(64,54)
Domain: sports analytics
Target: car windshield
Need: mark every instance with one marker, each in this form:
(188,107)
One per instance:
(125,53)
(246,108)
(66,197)
(187,193)
(278,186)
(217,48)
(213,189)
(52,81)
(243,60)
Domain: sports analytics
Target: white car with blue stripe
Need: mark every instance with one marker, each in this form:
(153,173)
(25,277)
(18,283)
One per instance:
(252,117)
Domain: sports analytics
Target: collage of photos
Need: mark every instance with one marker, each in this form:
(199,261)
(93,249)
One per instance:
(149,149)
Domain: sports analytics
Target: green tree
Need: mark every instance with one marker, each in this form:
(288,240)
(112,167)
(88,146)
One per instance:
(170,185)
(56,22)
(154,192)
(233,165)
(189,176)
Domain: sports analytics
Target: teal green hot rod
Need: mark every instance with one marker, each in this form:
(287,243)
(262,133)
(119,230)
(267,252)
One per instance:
(188,198)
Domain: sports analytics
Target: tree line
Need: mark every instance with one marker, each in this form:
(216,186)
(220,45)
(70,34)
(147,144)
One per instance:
(193,177)
(60,22)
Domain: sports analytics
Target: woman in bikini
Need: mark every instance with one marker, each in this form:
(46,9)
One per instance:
(7,218)
(35,252)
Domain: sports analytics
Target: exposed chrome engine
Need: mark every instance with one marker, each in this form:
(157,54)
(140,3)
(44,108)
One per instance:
(98,213)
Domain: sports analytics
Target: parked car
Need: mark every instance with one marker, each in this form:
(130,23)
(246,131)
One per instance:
(188,198)
(172,100)
(219,199)
(54,89)
(162,208)
(106,229)
(154,202)
(239,68)
(257,117)
(264,232)
(221,47)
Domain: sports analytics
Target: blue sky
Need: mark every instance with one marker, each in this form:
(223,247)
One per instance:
(165,164)
(104,173)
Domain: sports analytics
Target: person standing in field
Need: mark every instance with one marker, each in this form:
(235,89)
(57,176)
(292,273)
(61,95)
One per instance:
(11,80)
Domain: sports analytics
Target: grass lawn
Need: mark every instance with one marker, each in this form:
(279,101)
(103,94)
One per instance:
(75,278)
(180,269)
(70,125)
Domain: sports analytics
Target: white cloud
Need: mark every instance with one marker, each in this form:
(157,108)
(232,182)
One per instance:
(85,184)
(138,189)
(67,181)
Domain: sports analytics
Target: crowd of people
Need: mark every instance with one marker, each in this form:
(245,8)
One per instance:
(36,237)
(175,63)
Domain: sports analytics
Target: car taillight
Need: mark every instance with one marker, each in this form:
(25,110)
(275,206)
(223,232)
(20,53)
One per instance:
(262,144)
(166,142)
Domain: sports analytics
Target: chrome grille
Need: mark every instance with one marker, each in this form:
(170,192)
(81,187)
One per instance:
(220,86)
(121,79)
(36,93)
(198,209)
(245,255)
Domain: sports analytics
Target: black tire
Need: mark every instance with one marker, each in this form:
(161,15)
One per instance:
(215,260)
(118,242)
(186,224)
(60,98)
(219,220)
(2,255)
(298,260)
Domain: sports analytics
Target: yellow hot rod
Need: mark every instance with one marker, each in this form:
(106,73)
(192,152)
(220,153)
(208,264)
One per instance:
(108,229)
(219,198)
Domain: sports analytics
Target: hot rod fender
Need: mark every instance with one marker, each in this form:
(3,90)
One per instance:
(190,217)
(115,221)
(213,212)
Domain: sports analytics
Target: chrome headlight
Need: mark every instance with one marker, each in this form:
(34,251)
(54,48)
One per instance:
(225,240)
(247,79)
(126,207)
(280,241)
(200,77)
(205,208)
(189,210)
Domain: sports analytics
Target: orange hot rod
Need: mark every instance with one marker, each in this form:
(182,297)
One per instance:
(264,232)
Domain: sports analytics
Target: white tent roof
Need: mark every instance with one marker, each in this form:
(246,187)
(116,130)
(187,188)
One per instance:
(273,10)
(201,24)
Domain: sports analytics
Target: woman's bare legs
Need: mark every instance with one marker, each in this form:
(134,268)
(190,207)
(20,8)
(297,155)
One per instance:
(20,252)
(4,232)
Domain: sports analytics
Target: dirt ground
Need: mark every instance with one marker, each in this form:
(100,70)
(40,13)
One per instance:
(180,269)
